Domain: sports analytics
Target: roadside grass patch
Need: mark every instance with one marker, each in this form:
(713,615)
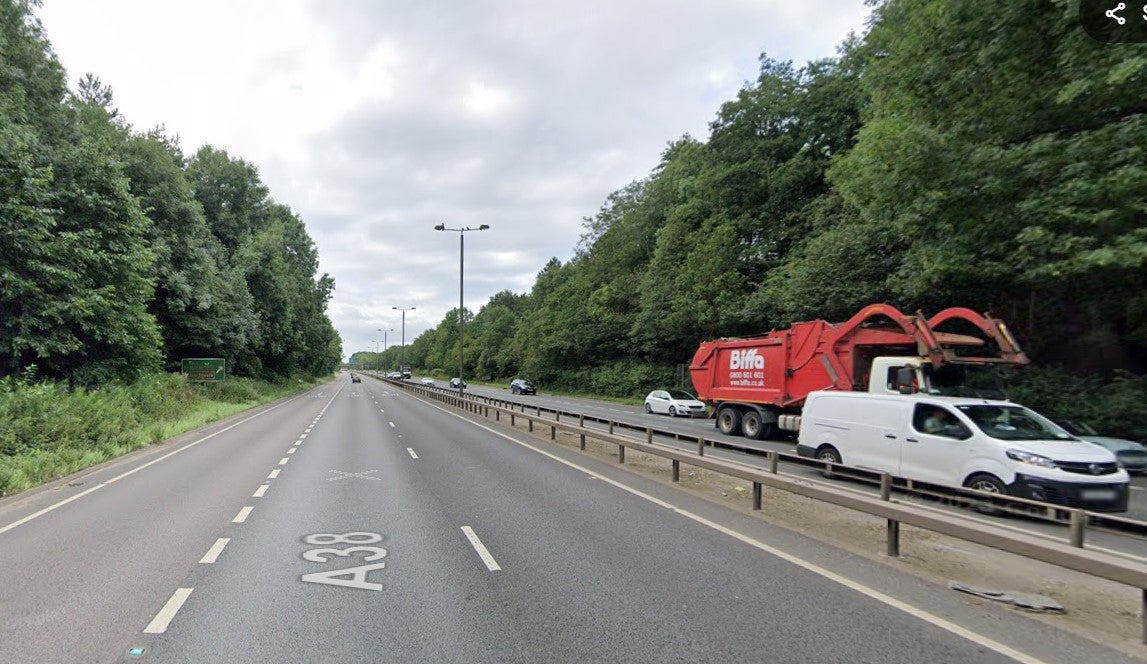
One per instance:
(48,430)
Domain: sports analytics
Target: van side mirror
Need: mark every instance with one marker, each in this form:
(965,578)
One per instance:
(957,431)
(905,376)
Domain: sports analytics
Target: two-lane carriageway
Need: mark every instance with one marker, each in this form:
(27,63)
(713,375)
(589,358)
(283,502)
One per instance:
(357,523)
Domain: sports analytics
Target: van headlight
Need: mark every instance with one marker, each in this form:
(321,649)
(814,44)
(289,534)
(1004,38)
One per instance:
(1034,459)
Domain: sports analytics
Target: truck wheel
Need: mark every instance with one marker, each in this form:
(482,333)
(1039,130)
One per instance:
(828,454)
(751,425)
(729,421)
(988,484)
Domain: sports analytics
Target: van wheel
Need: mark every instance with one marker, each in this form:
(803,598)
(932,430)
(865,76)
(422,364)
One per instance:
(988,484)
(828,454)
(729,421)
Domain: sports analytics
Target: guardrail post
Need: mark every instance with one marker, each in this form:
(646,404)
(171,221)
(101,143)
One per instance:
(512,418)
(581,423)
(611,427)
(648,436)
(497,416)
(756,495)
(531,420)
(621,453)
(1075,527)
(893,548)
(700,447)
(1143,612)
(553,432)
(677,472)
(774,461)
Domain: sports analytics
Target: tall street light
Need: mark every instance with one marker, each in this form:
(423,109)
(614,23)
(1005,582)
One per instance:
(402,353)
(384,337)
(461,317)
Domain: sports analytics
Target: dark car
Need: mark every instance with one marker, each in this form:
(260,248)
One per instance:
(522,386)
(456,382)
(355,378)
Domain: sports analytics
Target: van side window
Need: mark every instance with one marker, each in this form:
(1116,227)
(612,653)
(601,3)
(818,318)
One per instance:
(936,421)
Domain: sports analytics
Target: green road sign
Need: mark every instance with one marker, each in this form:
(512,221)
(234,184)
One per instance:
(204,369)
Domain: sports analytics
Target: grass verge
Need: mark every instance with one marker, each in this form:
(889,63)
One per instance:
(48,430)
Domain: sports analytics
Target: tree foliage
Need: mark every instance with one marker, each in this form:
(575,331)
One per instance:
(961,153)
(118,256)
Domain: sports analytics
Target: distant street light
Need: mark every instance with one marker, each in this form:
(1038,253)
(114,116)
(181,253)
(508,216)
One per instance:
(384,337)
(461,317)
(402,353)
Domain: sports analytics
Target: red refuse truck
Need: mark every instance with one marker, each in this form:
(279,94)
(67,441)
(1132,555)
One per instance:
(757,385)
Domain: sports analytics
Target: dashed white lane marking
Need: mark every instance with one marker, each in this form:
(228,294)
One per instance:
(303,437)
(261,490)
(55,506)
(159,623)
(483,552)
(274,474)
(213,553)
(292,450)
(243,514)
(921,614)
(391,424)
(412,454)
(283,461)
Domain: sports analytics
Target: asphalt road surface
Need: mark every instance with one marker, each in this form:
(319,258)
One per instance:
(357,523)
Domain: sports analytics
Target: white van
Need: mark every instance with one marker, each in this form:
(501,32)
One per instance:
(995,446)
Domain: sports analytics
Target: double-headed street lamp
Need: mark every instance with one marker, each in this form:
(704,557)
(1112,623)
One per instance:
(461,317)
(402,353)
(384,337)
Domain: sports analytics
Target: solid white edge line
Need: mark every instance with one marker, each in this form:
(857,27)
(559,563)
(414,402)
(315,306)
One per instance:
(412,454)
(213,553)
(816,569)
(55,506)
(261,490)
(274,474)
(159,623)
(483,552)
(241,517)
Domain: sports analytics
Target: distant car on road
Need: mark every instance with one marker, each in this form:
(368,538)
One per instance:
(1131,455)
(674,402)
(427,381)
(355,378)
(456,382)
(522,386)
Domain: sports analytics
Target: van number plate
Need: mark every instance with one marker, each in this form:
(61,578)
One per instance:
(1098,494)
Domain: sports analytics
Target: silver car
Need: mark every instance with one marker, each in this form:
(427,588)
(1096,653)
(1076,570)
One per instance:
(1131,455)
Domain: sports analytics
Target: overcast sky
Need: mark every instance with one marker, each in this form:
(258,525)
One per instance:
(377,120)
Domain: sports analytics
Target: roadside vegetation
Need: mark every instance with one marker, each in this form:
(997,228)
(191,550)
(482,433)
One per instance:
(51,430)
(120,256)
(959,153)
